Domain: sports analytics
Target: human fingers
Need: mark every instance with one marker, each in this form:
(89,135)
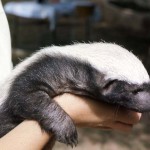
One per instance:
(116,125)
(119,126)
(127,116)
(124,120)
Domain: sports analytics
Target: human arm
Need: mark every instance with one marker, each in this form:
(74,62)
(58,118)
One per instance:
(26,136)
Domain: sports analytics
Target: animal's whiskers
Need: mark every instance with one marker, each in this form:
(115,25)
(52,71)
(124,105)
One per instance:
(116,112)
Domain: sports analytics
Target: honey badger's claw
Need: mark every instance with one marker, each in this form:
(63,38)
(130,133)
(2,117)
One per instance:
(74,141)
(65,131)
(69,139)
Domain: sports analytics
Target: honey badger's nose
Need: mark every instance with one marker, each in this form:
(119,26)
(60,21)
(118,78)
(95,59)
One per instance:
(143,101)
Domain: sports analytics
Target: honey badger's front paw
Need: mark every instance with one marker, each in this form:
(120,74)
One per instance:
(55,120)
(66,132)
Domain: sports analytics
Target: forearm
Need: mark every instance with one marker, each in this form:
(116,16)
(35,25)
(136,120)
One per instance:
(26,136)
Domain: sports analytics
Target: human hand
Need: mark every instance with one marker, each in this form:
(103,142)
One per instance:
(89,113)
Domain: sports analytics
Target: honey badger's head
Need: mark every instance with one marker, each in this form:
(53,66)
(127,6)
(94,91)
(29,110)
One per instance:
(126,81)
(132,96)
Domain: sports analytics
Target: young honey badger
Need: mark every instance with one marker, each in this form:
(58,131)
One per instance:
(101,71)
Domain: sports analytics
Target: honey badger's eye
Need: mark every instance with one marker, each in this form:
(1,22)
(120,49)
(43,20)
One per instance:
(109,84)
(137,91)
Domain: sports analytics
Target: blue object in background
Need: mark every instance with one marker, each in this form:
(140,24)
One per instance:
(39,9)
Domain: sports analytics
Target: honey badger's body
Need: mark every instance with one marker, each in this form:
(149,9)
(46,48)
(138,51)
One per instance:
(104,72)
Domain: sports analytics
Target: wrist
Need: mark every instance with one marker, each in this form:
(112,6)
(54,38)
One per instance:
(27,135)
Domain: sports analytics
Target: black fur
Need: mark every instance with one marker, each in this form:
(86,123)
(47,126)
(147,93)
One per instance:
(32,91)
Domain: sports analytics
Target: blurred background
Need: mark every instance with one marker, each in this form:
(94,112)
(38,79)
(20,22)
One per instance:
(39,23)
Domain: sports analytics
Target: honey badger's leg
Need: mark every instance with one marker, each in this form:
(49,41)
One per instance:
(6,124)
(38,106)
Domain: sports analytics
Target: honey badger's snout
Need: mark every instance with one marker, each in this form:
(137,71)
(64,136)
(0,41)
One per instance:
(142,99)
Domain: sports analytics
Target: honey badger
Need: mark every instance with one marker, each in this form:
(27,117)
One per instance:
(100,71)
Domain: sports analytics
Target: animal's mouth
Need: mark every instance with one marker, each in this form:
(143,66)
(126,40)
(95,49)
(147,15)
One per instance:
(140,107)
(139,103)
(136,100)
